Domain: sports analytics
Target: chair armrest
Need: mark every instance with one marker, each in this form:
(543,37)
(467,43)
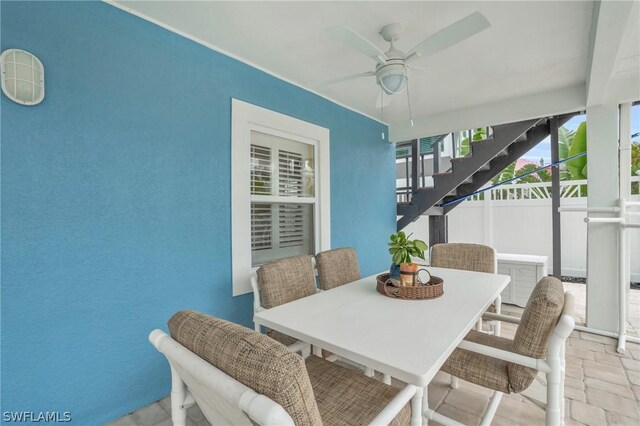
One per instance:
(257,306)
(538,364)
(502,318)
(391,410)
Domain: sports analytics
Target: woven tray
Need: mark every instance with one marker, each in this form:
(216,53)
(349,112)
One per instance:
(434,288)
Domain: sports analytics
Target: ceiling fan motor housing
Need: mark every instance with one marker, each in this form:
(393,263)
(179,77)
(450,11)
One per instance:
(392,75)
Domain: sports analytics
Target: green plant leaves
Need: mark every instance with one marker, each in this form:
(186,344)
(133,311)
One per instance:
(577,166)
(421,245)
(478,135)
(402,248)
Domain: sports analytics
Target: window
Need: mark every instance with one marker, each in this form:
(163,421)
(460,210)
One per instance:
(280,189)
(281,170)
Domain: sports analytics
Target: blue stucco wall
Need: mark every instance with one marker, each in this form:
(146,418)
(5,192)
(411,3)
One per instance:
(116,201)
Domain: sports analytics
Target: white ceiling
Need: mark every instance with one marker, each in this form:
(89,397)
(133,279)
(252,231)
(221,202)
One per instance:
(531,47)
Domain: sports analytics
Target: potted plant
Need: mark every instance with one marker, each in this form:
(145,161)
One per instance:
(402,249)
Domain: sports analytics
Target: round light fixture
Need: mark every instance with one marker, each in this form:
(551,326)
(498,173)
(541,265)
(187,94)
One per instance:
(393,83)
(392,76)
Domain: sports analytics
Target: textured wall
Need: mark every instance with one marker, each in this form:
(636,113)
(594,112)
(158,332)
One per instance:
(116,201)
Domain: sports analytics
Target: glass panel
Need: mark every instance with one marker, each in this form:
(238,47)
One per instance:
(280,230)
(289,165)
(261,170)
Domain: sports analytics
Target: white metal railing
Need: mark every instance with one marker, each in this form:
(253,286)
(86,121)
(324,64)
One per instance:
(542,190)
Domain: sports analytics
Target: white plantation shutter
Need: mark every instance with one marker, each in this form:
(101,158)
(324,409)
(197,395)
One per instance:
(291,226)
(261,228)
(261,215)
(278,170)
(260,170)
(290,173)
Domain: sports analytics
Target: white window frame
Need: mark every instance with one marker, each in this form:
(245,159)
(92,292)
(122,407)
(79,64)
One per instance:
(246,118)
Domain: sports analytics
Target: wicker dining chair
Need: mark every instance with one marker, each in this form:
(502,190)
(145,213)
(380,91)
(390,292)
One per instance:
(510,366)
(239,376)
(283,281)
(337,267)
(468,257)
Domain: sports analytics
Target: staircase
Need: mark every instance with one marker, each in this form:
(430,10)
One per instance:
(486,159)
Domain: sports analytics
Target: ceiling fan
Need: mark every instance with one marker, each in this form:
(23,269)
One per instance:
(391,66)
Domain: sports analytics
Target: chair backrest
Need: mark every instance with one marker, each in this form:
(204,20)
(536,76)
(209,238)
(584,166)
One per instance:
(337,267)
(249,358)
(286,280)
(466,256)
(539,320)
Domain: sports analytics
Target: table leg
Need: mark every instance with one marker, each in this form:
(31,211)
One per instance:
(425,404)
(416,408)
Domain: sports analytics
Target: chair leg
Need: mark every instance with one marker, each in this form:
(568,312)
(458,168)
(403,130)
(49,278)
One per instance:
(479,325)
(496,324)
(386,379)
(454,382)
(178,396)
(562,375)
(368,371)
(317,351)
(417,408)
(490,412)
(553,415)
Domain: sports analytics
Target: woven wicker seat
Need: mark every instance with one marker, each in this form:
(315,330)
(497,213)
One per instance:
(468,257)
(480,369)
(532,339)
(311,392)
(285,280)
(280,282)
(337,267)
(496,366)
(346,397)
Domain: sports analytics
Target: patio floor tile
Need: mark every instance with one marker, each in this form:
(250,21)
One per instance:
(631,364)
(612,403)
(587,414)
(623,391)
(605,373)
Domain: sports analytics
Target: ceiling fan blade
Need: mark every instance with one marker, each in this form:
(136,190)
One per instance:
(358,42)
(453,34)
(345,78)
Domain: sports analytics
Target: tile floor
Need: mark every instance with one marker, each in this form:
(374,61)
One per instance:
(602,387)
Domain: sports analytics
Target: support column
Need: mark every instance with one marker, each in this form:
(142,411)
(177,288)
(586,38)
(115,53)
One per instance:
(602,238)
(555,201)
(436,157)
(438,232)
(415,157)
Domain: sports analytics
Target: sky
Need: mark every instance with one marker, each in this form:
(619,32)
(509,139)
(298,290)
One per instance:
(543,149)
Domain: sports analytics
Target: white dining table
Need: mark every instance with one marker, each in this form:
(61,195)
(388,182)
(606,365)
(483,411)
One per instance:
(406,339)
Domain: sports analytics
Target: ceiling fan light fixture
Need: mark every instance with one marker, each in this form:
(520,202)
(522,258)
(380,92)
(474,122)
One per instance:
(392,78)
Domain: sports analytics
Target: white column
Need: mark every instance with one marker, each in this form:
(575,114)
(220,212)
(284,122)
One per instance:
(487,217)
(602,238)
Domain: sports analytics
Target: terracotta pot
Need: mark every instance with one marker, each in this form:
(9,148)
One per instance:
(408,279)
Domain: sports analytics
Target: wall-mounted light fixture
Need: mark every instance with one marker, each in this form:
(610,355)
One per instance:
(22,77)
